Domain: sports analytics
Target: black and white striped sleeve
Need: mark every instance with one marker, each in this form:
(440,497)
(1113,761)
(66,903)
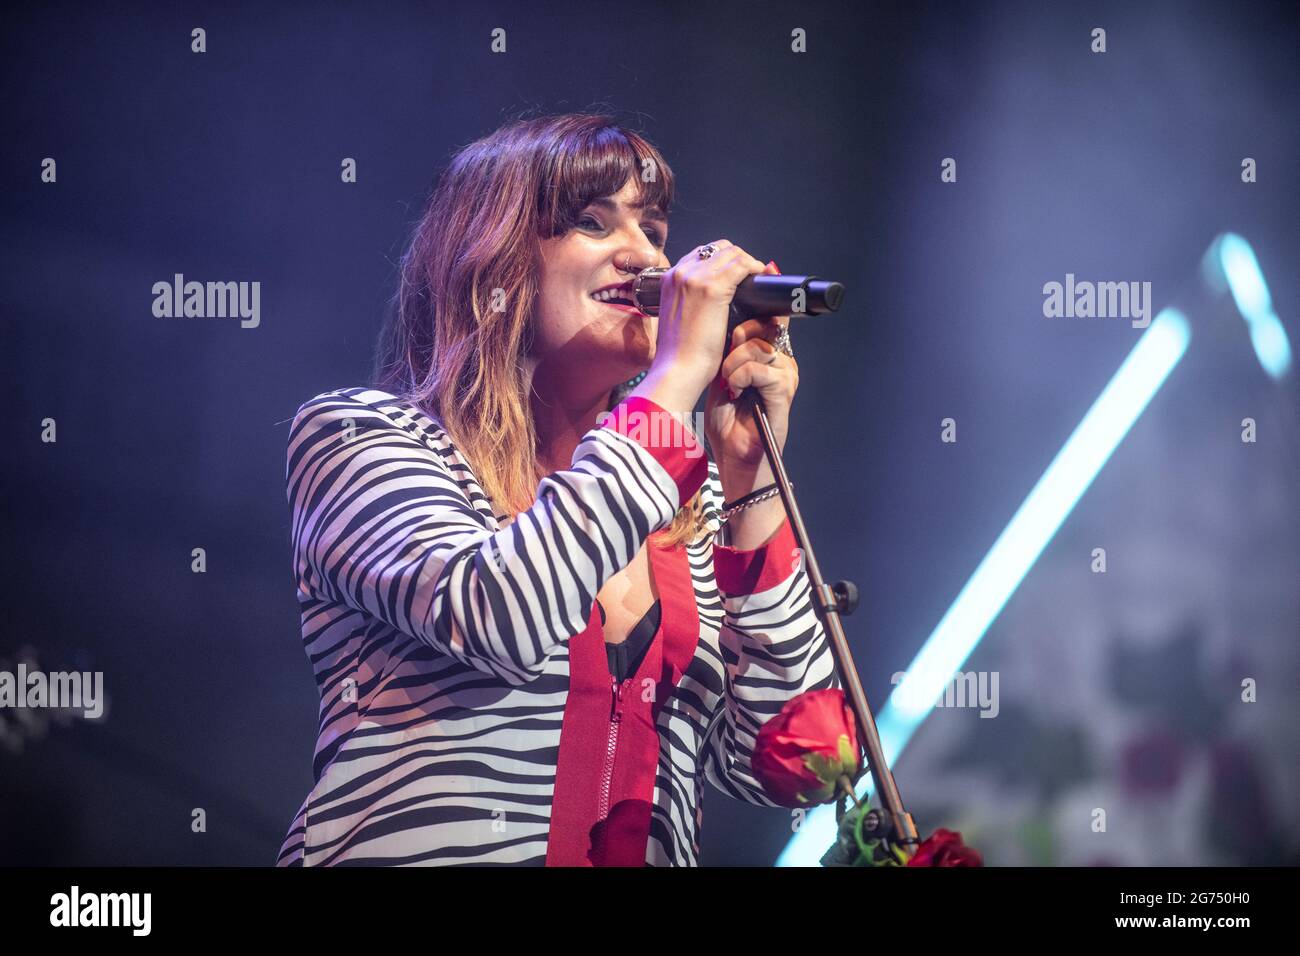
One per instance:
(773,648)
(380,524)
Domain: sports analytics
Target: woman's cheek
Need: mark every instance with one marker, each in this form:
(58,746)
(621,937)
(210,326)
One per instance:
(649,345)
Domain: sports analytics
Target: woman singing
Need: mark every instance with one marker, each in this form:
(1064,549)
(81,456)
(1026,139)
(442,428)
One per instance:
(540,615)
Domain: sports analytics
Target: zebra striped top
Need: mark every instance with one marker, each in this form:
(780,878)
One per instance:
(465,711)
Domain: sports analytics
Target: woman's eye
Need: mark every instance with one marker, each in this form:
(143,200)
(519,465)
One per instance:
(590,222)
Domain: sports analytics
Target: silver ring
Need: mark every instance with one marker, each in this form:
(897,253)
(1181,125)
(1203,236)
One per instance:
(782,343)
(707,251)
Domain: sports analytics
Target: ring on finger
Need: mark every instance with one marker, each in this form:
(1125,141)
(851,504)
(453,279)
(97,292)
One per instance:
(782,343)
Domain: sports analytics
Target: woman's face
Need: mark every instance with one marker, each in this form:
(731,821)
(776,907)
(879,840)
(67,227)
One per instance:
(606,343)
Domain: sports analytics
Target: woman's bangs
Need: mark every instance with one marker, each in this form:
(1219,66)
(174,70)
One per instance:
(596,164)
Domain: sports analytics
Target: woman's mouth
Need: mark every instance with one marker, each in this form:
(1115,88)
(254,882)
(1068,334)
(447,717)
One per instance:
(616,298)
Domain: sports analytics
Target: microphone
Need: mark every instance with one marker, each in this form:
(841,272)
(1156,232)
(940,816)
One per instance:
(757,297)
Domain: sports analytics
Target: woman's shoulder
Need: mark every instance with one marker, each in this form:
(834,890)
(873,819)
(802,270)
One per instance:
(376,399)
(359,410)
(367,407)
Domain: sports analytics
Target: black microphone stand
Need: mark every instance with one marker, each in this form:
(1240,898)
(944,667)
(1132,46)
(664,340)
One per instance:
(830,602)
(813,295)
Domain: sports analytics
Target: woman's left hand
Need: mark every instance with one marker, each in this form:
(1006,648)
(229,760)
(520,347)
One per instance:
(753,362)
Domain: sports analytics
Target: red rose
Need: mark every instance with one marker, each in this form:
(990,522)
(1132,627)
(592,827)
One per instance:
(802,752)
(944,848)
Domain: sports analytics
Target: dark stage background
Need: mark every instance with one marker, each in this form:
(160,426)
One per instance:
(1119,690)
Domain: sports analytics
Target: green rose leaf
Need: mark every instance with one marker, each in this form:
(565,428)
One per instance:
(848,756)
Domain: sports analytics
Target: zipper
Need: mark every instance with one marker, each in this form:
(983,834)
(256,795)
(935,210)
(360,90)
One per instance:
(617,693)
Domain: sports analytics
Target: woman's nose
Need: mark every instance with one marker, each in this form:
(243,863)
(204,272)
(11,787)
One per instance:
(631,263)
(637,257)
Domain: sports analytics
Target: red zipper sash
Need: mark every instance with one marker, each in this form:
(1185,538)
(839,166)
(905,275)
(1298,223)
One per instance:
(609,740)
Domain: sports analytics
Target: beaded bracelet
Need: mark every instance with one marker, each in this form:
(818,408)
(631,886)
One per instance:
(754,497)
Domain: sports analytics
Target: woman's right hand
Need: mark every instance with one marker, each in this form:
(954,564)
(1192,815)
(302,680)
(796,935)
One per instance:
(694,304)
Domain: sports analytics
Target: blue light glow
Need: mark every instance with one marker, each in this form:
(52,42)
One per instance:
(1019,545)
(1249,290)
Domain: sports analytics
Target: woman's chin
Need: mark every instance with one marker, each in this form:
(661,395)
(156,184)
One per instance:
(639,354)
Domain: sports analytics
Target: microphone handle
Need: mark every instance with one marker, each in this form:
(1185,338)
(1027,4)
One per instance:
(764,296)
(756,297)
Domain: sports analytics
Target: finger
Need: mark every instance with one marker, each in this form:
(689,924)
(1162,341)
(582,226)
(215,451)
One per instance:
(751,265)
(766,328)
(724,272)
(732,256)
(753,350)
(731,261)
(726,266)
(773,382)
(735,265)
(694,254)
(749,329)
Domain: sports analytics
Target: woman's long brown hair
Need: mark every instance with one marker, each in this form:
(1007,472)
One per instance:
(450,348)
